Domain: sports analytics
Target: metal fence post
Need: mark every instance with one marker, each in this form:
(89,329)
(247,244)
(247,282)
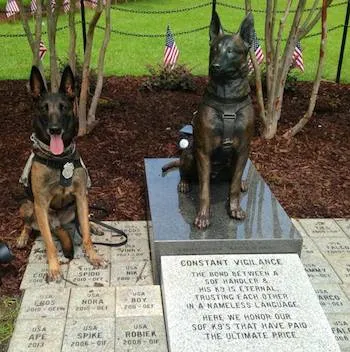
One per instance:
(343,43)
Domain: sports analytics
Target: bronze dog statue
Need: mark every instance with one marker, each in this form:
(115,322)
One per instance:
(57,178)
(224,124)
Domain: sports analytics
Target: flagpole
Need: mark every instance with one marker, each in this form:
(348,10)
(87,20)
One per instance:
(213,8)
(342,48)
(83,23)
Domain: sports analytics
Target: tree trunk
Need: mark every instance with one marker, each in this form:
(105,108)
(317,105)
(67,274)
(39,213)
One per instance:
(86,71)
(307,116)
(72,38)
(52,17)
(92,111)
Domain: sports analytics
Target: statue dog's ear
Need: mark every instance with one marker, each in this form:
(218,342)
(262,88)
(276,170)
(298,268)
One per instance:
(246,30)
(215,28)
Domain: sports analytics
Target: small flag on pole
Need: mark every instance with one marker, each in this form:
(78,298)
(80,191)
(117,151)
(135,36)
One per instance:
(171,53)
(11,8)
(33,6)
(298,57)
(42,50)
(66,5)
(257,50)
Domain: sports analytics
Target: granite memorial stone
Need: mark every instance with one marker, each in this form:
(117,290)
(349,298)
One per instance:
(248,303)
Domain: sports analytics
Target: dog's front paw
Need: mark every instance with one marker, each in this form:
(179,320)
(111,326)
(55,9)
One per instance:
(184,186)
(21,241)
(95,259)
(54,273)
(202,220)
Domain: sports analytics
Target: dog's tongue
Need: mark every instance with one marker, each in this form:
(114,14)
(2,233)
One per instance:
(56,144)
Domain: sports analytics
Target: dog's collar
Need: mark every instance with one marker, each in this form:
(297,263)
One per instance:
(43,149)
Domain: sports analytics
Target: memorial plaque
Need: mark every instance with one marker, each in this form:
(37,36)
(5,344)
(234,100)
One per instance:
(341,265)
(246,303)
(92,302)
(89,335)
(319,270)
(38,253)
(266,228)
(138,301)
(332,299)
(131,273)
(41,335)
(334,247)
(85,275)
(344,224)
(35,276)
(135,249)
(134,334)
(340,325)
(322,228)
(48,303)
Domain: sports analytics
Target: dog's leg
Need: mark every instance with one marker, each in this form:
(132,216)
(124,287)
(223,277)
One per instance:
(83,215)
(203,164)
(27,213)
(237,185)
(66,242)
(22,240)
(41,208)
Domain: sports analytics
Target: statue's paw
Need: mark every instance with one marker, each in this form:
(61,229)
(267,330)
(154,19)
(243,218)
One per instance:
(238,213)
(244,186)
(184,186)
(202,220)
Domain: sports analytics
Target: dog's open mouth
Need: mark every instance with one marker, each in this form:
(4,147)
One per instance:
(56,144)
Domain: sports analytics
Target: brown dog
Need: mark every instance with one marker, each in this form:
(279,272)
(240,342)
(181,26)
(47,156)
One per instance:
(224,124)
(58,179)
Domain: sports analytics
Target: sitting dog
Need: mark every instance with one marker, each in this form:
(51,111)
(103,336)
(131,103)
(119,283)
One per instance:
(224,124)
(57,178)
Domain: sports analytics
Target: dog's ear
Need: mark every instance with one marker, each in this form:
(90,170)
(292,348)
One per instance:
(36,82)
(246,30)
(67,86)
(215,28)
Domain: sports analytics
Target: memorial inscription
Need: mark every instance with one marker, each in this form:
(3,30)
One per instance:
(258,301)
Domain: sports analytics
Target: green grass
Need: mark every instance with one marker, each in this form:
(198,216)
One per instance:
(8,312)
(129,55)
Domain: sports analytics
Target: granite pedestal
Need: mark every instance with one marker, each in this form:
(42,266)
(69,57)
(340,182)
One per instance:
(266,229)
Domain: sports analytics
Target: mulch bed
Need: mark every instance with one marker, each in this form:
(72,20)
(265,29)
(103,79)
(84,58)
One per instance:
(309,175)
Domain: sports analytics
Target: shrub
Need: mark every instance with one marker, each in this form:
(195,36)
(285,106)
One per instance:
(167,78)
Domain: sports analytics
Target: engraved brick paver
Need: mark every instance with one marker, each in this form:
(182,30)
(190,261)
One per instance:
(319,228)
(48,303)
(131,273)
(39,335)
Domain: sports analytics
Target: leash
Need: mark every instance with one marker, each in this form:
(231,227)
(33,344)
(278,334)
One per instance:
(117,232)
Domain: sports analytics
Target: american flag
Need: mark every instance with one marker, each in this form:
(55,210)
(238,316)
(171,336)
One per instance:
(42,50)
(171,53)
(66,5)
(11,8)
(298,57)
(257,50)
(33,6)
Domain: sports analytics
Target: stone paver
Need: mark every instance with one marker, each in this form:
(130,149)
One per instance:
(332,298)
(319,228)
(120,309)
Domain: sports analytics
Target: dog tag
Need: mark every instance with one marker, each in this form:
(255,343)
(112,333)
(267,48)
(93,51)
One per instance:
(68,170)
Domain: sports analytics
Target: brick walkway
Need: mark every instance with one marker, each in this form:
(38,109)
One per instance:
(119,309)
